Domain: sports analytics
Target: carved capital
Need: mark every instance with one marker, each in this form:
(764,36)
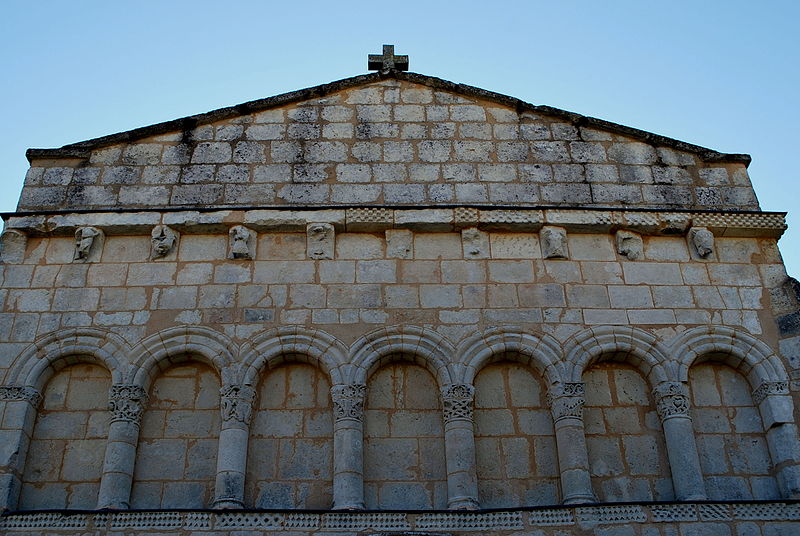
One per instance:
(348,401)
(457,402)
(127,403)
(237,403)
(12,393)
(769,388)
(672,400)
(566,400)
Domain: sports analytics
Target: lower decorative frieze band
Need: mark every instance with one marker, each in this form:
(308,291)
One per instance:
(562,519)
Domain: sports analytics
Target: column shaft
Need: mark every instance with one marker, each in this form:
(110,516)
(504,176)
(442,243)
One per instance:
(566,404)
(19,416)
(672,404)
(459,441)
(237,409)
(348,446)
(126,403)
(777,415)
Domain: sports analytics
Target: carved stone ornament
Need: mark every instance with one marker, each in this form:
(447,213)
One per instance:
(86,242)
(237,403)
(566,400)
(630,245)
(240,242)
(457,402)
(702,241)
(320,240)
(769,388)
(475,243)
(348,401)
(672,400)
(127,403)
(162,240)
(554,242)
(12,393)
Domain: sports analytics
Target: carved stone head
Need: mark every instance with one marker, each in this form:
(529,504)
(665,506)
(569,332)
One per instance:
(163,240)
(702,240)
(320,240)
(240,242)
(84,241)
(554,242)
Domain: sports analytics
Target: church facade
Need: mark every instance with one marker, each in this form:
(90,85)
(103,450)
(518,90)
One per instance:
(395,304)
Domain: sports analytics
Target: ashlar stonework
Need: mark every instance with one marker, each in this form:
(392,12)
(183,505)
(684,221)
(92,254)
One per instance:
(394,304)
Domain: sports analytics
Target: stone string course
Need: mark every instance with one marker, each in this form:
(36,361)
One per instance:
(763,518)
(390,142)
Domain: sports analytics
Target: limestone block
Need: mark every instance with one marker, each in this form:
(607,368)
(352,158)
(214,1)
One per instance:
(163,241)
(475,243)
(320,241)
(554,242)
(12,246)
(88,244)
(701,241)
(241,243)
(399,243)
(630,245)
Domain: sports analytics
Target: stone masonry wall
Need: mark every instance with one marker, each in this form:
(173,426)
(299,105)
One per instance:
(389,142)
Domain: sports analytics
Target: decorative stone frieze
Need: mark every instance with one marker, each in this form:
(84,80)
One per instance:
(630,245)
(163,241)
(348,401)
(320,241)
(457,402)
(241,243)
(769,388)
(10,393)
(701,241)
(567,400)
(88,244)
(672,399)
(127,403)
(554,242)
(237,403)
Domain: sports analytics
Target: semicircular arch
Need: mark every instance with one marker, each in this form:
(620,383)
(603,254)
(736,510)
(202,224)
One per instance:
(422,346)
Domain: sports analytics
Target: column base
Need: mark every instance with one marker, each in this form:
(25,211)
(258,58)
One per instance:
(227,504)
(349,507)
(580,499)
(463,503)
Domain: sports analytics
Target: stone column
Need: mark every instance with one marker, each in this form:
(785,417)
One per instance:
(126,403)
(459,447)
(672,404)
(237,409)
(19,416)
(348,446)
(776,408)
(566,404)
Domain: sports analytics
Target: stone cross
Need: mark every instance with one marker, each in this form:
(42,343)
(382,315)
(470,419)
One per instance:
(387,61)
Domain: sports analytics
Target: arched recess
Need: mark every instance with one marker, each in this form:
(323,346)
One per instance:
(181,343)
(73,370)
(737,349)
(722,367)
(404,369)
(617,343)
(290,458)
(624,438)
(272,348)
(515,442)
(48,354)
(183,369)
(422,346)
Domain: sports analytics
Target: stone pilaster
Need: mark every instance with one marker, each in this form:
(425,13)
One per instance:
(19,414)
(777,414)
(672,405)
(126,404)
(566,402)
(459,443)
(348,446)
(236,406)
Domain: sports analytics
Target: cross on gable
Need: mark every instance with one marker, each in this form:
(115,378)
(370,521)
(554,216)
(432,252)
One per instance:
(387,61)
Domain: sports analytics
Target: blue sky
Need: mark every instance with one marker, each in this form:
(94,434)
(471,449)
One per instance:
(723,75)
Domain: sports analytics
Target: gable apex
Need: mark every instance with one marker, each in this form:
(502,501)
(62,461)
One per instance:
(82,150)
